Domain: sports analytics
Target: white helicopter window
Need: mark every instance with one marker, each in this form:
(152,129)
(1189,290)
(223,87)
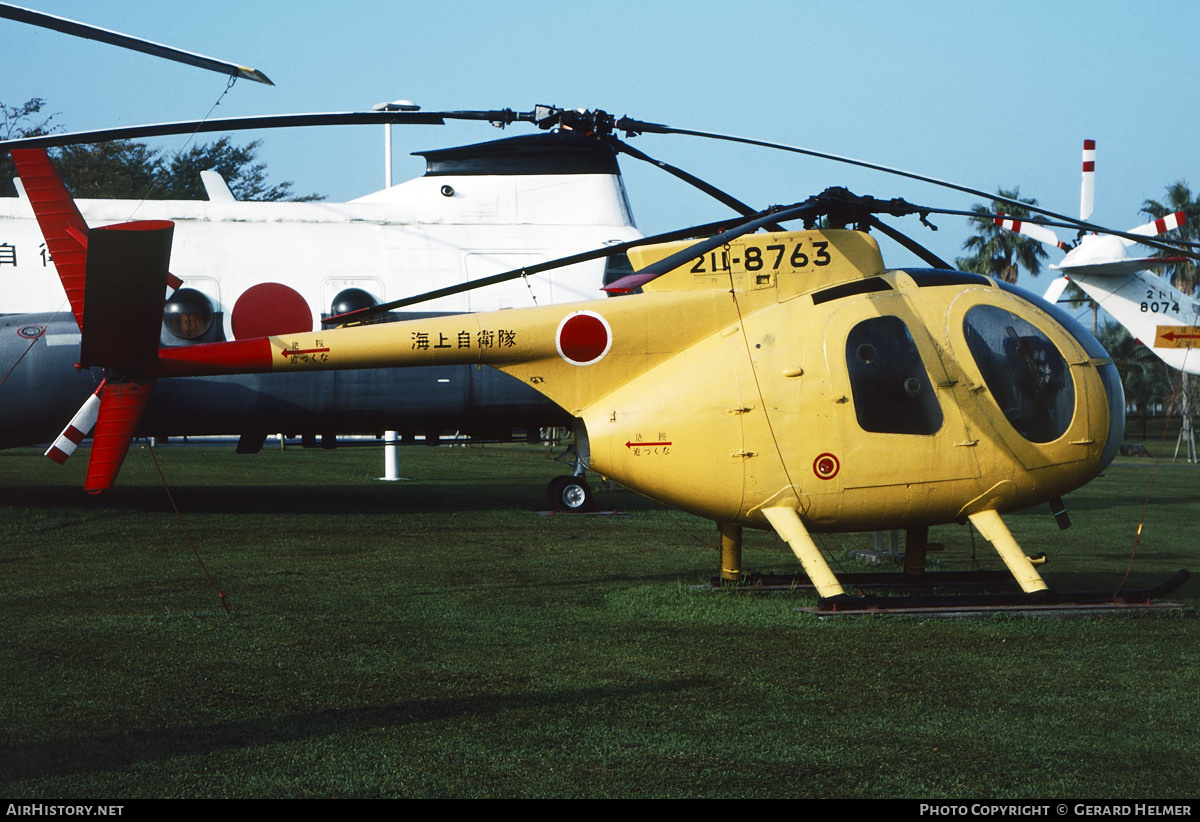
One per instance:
(891,388)
(1024,370)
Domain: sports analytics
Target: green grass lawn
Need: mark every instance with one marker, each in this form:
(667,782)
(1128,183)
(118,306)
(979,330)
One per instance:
(439,638)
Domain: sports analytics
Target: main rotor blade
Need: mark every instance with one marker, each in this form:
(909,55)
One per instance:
(909,243)
(1037,231)
(631,126)
(49,21)
(831,201)
(692,180)
(720,234)
(637,126)
(1176,246)
(229,124)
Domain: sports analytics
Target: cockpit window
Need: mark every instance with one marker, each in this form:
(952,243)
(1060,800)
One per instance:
(892,391)
(1023,369)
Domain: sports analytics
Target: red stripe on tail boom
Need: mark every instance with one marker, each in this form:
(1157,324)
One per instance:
(236,357)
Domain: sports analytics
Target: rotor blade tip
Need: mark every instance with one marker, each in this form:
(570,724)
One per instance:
(254,74)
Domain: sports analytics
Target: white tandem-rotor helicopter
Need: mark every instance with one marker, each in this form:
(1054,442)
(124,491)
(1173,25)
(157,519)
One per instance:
(247,268)
(1155,312)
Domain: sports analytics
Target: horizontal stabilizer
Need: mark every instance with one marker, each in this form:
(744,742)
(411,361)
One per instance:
(1115,268)
(126,283)
(121,407)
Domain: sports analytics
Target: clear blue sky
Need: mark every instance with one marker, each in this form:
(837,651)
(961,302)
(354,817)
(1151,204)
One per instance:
(987,94)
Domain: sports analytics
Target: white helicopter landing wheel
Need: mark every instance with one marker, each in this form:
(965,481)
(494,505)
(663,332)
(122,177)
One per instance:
(570,495)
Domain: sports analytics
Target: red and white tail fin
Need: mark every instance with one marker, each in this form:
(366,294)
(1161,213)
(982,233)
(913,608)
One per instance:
(116,280)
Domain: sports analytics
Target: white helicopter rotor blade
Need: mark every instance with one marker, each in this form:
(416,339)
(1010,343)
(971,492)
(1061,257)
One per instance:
(1056,289)
(1087,189)
(1037,232)
(1156,227)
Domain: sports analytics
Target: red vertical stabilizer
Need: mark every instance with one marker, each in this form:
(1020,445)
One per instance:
(121,406)
(62,224)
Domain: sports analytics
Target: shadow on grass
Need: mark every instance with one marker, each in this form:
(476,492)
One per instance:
(1075,581)
(455,497)
(65,757)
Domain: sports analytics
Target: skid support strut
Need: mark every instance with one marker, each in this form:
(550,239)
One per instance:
(996,532)
(787,522)
(731,550)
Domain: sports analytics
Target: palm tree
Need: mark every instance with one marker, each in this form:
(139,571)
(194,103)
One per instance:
(1185,276)
(998,252)
(1146,379)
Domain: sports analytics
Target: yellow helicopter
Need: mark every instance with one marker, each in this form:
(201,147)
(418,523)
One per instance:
(783,380)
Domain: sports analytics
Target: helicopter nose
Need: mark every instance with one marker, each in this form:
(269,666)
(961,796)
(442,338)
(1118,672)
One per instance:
(1042,379)
(1116,411)
(1024,370)
(1109,377)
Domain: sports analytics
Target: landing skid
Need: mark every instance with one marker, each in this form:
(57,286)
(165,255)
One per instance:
(999,597)
(1039,602)
(1034,595)
(956,580)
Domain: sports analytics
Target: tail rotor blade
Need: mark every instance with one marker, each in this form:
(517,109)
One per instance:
(79,427)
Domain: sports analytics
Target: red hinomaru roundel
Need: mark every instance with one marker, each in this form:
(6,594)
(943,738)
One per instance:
(583,338)
(826,466)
